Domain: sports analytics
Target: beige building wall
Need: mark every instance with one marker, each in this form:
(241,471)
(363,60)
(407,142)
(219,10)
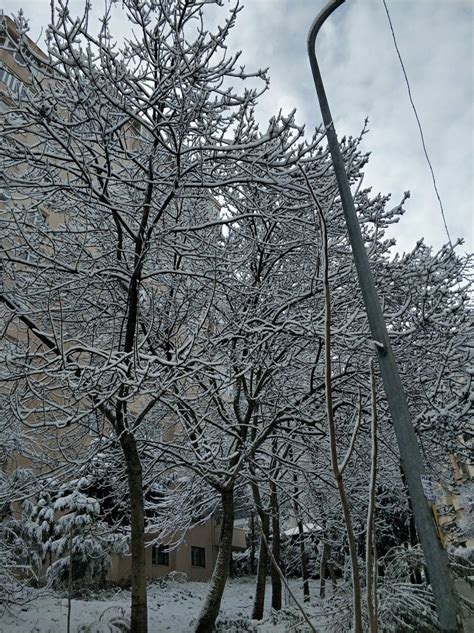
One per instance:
(180,559)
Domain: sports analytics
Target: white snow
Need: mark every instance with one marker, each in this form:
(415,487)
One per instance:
(307,527)
(172,606)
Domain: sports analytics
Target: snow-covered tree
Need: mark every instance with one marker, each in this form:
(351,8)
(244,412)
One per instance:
(163,288)
(81,543)
(111,156)
(21,547)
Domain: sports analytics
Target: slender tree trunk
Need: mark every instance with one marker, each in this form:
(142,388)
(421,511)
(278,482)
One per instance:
(70,579)
(415,574)
(139,613)
(288,588)
(322,570)
(276,549)
(303,555)
(210,610)
(252,543)
(376,594)
(332,573)
(259,599)
(304,561)
(370,532)
(327,566)
(356,584)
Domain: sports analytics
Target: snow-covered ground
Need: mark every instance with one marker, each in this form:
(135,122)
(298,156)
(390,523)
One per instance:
(172,607)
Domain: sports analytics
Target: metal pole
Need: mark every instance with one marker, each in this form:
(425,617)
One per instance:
(411,460)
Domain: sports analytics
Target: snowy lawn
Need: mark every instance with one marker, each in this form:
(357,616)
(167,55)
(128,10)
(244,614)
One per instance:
(172,607)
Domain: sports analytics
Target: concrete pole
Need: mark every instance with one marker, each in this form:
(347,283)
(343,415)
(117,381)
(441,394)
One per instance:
(411,460)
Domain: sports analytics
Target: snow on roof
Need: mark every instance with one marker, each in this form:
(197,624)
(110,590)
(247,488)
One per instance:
(307,527)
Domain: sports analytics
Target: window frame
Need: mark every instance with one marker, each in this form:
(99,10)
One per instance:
(198,556)
(159,556)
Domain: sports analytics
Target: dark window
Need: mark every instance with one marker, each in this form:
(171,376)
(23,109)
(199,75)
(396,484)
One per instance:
(18,57)
(159,556)
(198,556)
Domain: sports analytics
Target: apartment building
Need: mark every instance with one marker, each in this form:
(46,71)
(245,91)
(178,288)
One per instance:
(196,554)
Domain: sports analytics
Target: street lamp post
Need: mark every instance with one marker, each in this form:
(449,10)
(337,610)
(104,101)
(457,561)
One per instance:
(412,463)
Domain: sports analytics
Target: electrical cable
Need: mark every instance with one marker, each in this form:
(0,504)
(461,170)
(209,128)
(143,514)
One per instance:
(419,123)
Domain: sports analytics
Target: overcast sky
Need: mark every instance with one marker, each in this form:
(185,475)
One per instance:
(364,79)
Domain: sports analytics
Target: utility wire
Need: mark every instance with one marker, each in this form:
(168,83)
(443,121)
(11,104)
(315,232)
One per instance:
(419,124)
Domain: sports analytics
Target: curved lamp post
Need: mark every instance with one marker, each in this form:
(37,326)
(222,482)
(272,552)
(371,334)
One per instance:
(412,462)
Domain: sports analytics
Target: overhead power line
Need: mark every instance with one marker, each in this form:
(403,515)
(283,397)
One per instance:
(419,123)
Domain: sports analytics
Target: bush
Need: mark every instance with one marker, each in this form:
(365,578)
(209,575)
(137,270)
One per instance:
(287,619)
(109,622)
(80,537)
(235,625)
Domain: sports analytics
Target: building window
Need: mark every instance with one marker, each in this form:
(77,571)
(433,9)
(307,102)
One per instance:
(153,433)
(37,218)
(18,57)
(6,44)
(159,556)
(8,79)
(198,556)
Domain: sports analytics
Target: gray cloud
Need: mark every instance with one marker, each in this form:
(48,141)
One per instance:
(363,78)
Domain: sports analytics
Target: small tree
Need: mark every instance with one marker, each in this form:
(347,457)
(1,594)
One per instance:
(81,544)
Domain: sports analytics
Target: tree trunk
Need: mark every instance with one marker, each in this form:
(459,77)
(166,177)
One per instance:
(139,614)
(259,599)
(332,573)
(356,587)
(252,543)
(304,562)
(276,550)
(210,610)
(69,584)
(415,574)
(303,555)
(323,569)
(370,553)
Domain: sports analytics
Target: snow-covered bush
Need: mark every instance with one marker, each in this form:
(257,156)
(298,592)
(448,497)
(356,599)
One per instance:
(15,568)
(81,537)
(403,605)
(234,625)
(241,563)
(291,557)
(112,620)
(21,548)
(23,536)
(465,554)
(288,619)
